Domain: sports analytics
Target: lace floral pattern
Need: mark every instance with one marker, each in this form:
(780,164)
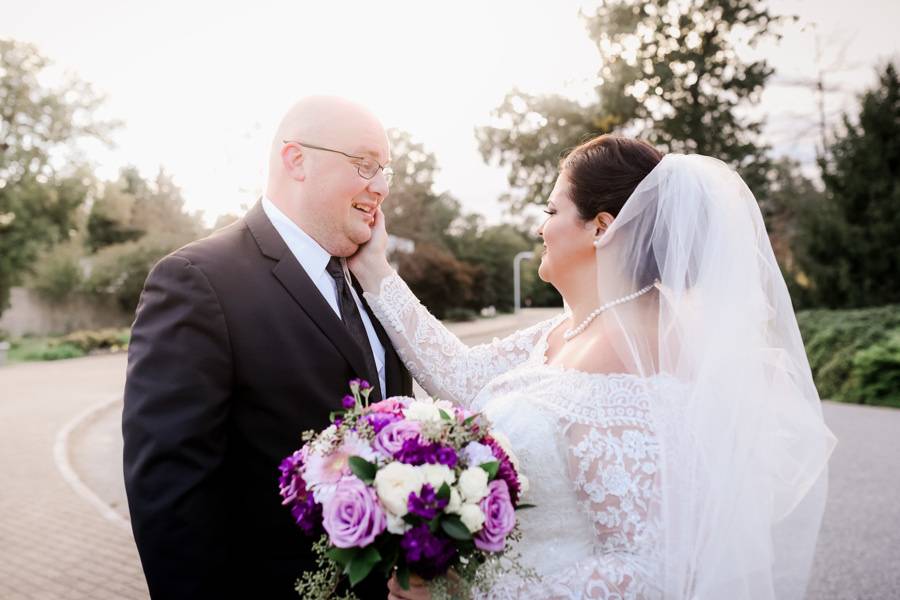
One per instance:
(585,441)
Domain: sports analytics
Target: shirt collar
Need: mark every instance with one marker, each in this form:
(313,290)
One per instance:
(311,256)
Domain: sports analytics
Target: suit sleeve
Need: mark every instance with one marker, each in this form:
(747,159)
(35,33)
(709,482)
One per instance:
(175,431)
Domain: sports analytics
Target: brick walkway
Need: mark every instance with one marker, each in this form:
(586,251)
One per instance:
(55,544)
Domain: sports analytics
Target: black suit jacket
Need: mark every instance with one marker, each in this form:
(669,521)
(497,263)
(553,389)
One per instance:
(234,352)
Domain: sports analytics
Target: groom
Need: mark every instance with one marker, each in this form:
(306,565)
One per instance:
(242,341)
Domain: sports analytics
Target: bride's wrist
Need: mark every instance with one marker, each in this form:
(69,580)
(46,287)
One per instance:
(370,275)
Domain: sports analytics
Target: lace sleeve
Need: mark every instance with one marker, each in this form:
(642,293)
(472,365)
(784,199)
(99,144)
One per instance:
(443,365)
(612,455)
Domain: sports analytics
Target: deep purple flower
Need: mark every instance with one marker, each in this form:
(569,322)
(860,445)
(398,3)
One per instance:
(292,487)
(446,455)
(426,554)
(499,518)
(415,452)
(379,420)
(506,472)
(353,517)
(426,504)
(348,402)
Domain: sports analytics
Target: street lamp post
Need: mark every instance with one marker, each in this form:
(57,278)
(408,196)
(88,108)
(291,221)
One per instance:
(517,278)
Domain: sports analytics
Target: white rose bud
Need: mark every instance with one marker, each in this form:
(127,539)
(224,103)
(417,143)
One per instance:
(473,484)
(438,475)
(397,525)
(422,411)
(455,502)
(524,485)
(394,483)
(472,517)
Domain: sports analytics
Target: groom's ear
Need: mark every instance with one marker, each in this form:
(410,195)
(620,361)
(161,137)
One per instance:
(293,159)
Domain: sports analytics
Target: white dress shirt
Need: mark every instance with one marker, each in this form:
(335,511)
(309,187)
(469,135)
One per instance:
(313,258)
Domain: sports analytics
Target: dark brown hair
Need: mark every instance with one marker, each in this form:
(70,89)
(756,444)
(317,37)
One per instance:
(605,170)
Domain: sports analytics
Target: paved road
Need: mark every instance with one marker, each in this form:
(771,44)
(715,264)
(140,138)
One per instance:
(55,544)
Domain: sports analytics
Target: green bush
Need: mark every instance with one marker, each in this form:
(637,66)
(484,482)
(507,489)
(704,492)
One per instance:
(119,271)
(54,352)
(854,353)
(57,274)
(101,339)
(876,373)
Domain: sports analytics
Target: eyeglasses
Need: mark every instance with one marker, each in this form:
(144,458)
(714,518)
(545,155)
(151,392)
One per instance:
(365,166)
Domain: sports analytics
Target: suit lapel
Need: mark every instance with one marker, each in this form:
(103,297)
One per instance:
(297,283)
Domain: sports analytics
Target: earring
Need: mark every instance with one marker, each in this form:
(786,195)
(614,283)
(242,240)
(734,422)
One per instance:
(597,243)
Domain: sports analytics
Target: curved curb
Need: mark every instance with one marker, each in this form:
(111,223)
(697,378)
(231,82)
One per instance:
(61,459)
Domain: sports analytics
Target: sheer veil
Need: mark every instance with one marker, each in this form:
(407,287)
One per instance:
(744,448)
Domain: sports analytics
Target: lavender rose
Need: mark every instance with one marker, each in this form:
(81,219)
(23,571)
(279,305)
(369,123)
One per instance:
(390,439)
(353,517)
(499,517)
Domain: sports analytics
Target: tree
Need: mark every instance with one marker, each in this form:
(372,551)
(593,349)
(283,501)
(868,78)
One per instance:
(131,207)
(848,245)
(413,210)
(43,181)
(439,280)
(673,73)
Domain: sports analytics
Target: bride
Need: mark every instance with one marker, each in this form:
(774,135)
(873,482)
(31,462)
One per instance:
(668,421)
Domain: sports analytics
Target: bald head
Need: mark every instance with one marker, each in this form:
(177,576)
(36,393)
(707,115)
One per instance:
(329,121)
(316,180)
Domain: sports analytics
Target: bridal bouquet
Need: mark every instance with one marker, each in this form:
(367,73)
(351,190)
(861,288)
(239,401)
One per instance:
(419,486)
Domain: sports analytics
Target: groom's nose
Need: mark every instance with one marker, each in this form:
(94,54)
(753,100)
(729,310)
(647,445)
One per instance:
(378,186)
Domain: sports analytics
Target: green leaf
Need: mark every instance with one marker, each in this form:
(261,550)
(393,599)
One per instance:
(469,420)
(444,415)
(388,562)
(524,506)
(342,556)
(361,564)
(444,492)
(362,468)
(491,468)
(403,575)
(454,527)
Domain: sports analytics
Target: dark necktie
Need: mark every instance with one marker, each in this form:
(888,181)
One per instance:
(354,323)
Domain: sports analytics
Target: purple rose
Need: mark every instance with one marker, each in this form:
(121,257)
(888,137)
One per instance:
(390,439)
(426,554)
(353,517)
(348,402)
(499,517)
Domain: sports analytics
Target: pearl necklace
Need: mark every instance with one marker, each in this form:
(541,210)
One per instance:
(568,334)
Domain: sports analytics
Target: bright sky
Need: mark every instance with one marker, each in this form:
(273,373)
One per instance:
(201,85)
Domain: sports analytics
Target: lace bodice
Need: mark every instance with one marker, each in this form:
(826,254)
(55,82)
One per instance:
(585,441)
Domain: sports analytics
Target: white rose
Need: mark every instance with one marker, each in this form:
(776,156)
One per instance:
(473,484)
(455,502)
(397,525)
(394,483)
(437,475)
(422,411)
(472,517)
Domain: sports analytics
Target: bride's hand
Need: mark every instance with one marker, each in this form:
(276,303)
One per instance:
(418,589)
(369,265)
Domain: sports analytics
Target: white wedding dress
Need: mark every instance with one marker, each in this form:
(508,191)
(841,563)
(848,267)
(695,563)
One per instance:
(585,442)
